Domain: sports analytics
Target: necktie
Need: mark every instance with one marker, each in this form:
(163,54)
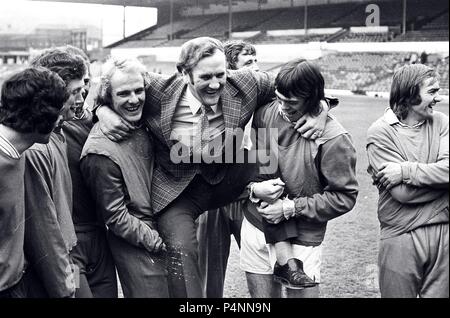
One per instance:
(202,134)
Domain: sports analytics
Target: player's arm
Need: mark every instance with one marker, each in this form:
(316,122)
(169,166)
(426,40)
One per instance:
(105,181)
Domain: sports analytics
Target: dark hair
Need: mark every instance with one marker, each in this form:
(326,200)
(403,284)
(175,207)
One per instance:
(68,66)
(31,100)
(75,51)
(301,78)
(232,50)
(196,49)
(405,88)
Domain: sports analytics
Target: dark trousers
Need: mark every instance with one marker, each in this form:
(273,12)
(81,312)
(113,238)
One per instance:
(214,238)
(16,291)
(176,224)
(142,274)
(97,273)
(35,287)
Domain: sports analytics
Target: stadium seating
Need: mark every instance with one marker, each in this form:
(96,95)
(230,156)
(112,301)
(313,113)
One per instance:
(434,30)
(367,37)
(289,39)
(427,20)
(372,71)
(355,71)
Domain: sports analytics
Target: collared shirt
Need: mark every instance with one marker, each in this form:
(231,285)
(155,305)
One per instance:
(391,119)
(283,114)
(8,148)
(187,114)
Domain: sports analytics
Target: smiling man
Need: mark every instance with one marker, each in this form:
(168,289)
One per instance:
(240,54)
(119,177)
(409,159)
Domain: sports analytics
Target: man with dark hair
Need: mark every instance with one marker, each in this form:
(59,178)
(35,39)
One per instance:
(31,101)
(92,254)
(189,115)
(87,76)
(50,234)
(409,159)
(315,182)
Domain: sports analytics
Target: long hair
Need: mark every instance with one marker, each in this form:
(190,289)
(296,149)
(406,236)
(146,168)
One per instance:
(68,66)
(405,88)
(301,78)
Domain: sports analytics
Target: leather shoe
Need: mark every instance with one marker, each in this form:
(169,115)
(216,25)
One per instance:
(292,275)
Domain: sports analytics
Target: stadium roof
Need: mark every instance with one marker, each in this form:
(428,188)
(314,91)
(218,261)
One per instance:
(150,3)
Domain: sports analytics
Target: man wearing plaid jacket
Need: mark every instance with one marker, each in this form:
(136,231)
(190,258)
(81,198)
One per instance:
(174,110)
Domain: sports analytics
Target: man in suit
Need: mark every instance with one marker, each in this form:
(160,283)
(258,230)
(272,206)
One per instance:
(216,227)
(204,106)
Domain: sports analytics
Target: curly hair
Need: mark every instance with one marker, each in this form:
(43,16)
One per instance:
(405,88)
(109,68)
(301,78)
(68,66)
(232,50)
(75,51)
(31,100)
(196,49)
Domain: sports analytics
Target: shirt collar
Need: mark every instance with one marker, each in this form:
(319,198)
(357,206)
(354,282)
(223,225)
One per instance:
(283,114)
(8,148)
(391,119)
(195,104)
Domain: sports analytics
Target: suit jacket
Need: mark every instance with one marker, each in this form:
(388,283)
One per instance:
(244,91)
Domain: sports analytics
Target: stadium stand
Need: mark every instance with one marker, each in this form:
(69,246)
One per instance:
(356,71)
(434,30)
(265,39)
(373,71)
(367,37)
(426,21)
(242,21)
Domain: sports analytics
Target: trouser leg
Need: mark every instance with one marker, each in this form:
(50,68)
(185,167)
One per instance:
(415,264)
(214,249)
(83,290)
(435,238)
(262,286)
(142,274)
(399,271)
(101,270)
(176,225)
